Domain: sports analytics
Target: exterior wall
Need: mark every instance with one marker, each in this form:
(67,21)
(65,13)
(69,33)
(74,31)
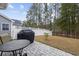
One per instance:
(15,28)
(4,20)
(14,31)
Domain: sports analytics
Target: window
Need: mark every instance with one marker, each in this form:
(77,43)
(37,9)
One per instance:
(5,26)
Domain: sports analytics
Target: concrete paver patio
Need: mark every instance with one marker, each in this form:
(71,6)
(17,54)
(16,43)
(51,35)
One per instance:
(39,49)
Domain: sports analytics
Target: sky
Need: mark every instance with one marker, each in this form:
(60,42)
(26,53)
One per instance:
(16,11)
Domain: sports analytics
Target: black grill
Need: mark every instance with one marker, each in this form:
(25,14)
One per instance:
(26,34)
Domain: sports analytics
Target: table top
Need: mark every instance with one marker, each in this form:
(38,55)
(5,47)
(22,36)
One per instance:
(14,45)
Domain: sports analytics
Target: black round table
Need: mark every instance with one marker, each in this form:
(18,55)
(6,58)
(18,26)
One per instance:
(14,46)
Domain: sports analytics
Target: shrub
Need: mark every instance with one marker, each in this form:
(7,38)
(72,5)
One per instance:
(46,36)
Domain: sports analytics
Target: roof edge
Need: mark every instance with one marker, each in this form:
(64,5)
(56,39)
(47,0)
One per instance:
(5,17)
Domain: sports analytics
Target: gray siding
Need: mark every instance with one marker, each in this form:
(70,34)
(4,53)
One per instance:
(4,20)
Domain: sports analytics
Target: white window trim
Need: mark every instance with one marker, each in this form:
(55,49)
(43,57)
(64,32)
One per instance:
(2,25)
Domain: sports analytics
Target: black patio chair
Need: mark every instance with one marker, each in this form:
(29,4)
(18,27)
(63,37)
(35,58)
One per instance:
(0,44)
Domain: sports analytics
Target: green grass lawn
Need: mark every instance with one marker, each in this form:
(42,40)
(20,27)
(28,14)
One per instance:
(70,45)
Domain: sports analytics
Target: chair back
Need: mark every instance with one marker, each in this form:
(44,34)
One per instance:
(1,40)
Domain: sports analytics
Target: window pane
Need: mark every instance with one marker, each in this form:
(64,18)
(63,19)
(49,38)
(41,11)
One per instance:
(5,26)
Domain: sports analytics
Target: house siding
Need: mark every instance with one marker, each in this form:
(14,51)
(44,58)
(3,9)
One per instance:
(4,21)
